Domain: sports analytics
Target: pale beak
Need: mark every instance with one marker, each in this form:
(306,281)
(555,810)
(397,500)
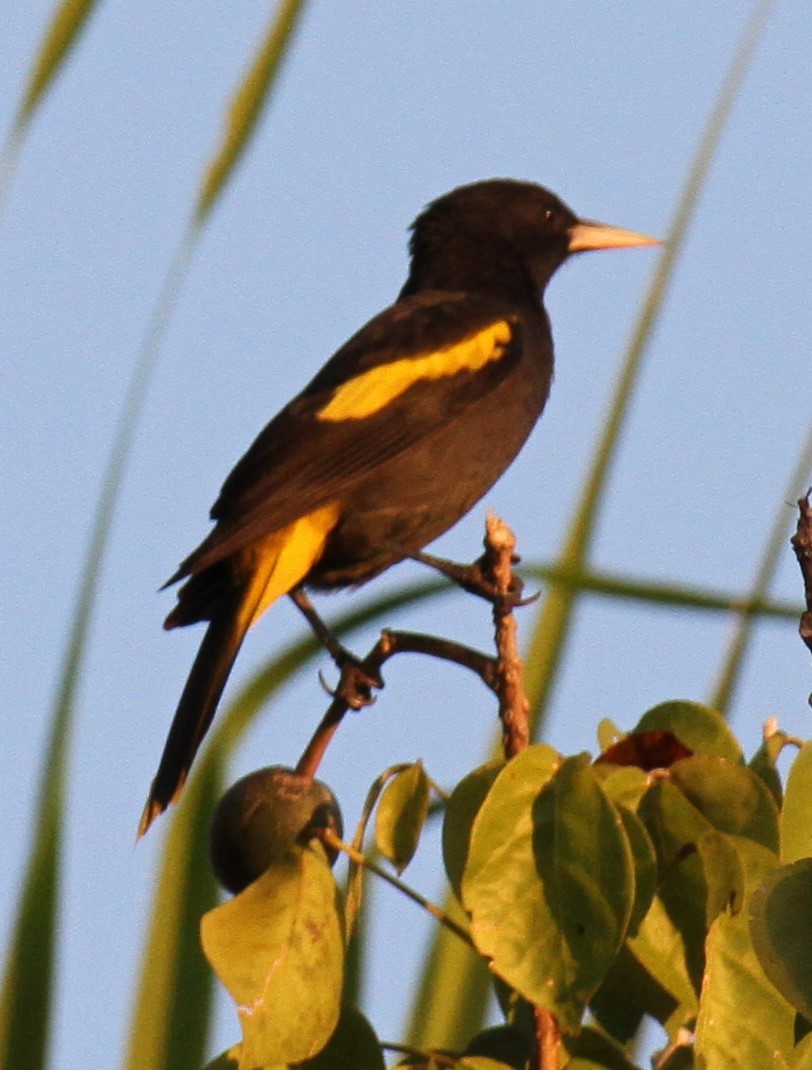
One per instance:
(586,234)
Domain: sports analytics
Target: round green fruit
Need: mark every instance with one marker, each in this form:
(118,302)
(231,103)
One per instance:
(261,817)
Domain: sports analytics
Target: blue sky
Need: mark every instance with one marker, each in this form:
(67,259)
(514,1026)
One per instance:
(382,106)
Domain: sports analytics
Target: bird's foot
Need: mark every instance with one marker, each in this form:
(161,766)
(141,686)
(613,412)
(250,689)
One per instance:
(475,579)
(356,682)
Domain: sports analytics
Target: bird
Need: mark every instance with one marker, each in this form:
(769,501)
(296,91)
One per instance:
(396,438)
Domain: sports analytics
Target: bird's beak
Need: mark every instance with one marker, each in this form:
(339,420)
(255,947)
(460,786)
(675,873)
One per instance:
(586,234)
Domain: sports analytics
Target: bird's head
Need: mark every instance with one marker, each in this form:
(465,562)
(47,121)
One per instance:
(491,232)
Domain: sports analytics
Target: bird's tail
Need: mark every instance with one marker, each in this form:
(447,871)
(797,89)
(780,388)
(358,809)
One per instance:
(267,570)
(195,711)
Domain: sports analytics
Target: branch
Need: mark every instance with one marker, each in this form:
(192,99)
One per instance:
(352,692)
(514,707)
(802,545)
(329,837)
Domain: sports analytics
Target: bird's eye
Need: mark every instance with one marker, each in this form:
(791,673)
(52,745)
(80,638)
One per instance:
(549,215)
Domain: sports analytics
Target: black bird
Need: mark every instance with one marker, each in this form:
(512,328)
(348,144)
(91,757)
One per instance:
(401,432)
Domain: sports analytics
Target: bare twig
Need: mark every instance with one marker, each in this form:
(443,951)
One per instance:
(514,708)
(353,692)
(683,1039)
(802,545)
(548,1039)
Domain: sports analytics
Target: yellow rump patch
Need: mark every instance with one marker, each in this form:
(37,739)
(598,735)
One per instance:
(283,559)
(369,392)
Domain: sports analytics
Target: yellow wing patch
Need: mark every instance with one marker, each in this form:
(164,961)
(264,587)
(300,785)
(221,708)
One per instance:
(281,560)
(369,392)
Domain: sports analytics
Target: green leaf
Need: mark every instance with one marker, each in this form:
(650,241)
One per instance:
(401,815)
(659,947)
(699,727)
(796,813)
(593,1050)
(800,1058)
(278,949)
(724,874)
(742,1017)
(730,796)
(480,1062)
(505,1043)
(764,763)
(549,882)
(460,811)
(352,1045)
(781,929)
(227,1060)
(626,784)
(621,1017)
(645,865)
(356,873)
(608,734)
(676,827)
(679,811)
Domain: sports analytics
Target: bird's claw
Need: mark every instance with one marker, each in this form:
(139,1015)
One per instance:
(475,580)
(356,683)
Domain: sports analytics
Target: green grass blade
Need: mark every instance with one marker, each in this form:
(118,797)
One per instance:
(452,1018)
(777,542)
(668,595)
(67,22)
(248,103)
(549,638)
(26,1009)
(27,992)
(25,1012)
(440,976)
(173,1008)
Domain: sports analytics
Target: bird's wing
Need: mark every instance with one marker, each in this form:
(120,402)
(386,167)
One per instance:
(413,368)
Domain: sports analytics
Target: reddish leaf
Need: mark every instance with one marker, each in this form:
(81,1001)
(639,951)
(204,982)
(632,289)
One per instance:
(646,750)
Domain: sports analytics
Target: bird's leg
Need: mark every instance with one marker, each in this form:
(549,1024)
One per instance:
(356,684)
(328,640)
(475,579)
